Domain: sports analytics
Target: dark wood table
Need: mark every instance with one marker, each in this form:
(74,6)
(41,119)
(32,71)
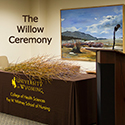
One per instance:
(60,102)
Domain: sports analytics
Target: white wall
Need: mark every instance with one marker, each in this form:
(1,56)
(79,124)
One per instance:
(38,8)
(11,12)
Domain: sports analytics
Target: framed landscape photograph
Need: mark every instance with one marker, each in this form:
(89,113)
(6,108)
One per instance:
(85,29)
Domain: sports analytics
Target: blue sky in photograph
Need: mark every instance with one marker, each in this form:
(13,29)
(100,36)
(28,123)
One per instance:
(98,22)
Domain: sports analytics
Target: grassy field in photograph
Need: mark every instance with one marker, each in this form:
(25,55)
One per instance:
(86,55)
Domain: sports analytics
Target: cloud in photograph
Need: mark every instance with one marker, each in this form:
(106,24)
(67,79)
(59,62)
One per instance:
(72,29)
(62,19)
(106,25)
(117,11)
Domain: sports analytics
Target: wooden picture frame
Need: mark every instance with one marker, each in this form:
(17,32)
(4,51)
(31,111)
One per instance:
(85,29)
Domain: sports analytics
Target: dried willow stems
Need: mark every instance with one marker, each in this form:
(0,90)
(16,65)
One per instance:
(44,68)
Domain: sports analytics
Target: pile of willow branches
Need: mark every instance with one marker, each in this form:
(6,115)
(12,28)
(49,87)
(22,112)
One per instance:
(44,68)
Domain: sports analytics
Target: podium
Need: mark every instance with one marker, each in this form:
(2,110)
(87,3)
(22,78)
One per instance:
(110,69)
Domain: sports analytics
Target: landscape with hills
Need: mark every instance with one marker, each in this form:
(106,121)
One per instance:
(67,35)
(79,45)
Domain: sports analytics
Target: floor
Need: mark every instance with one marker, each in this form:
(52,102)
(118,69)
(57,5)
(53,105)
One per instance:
(6,119)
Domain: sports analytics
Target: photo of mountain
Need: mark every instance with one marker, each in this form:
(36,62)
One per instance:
(86,28)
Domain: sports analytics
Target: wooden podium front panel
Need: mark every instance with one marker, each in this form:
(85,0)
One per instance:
(120,89)
(105,94)
(110,87)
